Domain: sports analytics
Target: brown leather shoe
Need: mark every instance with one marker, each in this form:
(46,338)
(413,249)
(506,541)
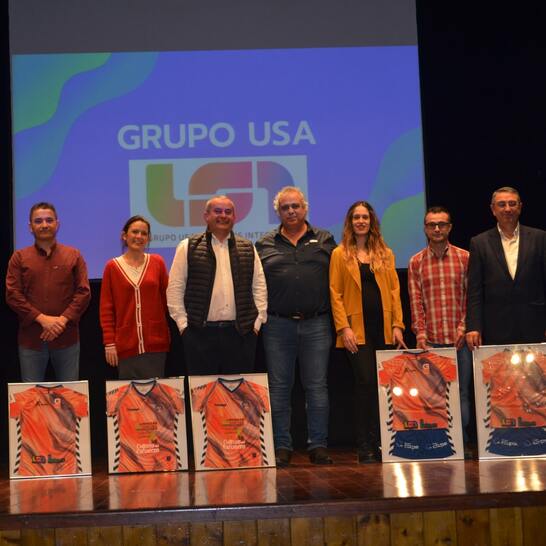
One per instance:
(282,457)
(319,455)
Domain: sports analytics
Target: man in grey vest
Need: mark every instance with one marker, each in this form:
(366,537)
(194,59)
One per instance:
(217,295)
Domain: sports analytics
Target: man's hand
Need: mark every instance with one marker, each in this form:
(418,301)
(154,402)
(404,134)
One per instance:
(111,355)
(473,339)
(349,340)
(52,326)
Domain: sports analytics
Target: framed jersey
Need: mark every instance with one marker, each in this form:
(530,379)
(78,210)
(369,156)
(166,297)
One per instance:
(49,429)
(510,392)
(231,421)
(419,405)
(146,425)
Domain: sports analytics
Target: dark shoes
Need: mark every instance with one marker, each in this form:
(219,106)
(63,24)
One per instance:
(282,457)
(367,455)
(319,455)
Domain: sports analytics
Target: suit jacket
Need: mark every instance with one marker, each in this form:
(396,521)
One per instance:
(346,297)
(503,309)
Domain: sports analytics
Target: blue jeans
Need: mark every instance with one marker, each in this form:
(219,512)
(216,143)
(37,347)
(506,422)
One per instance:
(308,341)
(66,363)
(464,367)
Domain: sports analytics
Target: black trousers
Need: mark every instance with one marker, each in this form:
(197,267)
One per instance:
(366,398)
(215,350)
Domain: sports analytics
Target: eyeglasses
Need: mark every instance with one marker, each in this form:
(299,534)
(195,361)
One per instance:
(439,225)
(504,204)
(288,206)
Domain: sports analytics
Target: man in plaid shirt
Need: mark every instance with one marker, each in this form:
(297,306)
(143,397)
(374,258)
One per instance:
(437,280)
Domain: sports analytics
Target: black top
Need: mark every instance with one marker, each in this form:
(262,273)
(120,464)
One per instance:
(372,307)
(297,276)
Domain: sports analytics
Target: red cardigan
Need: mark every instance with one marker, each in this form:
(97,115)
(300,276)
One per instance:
(134,316)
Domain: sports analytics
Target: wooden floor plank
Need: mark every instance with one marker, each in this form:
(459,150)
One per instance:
(407,529)
(473,527)
(340,531)
(506,527)
(308,531)
(273,532)
(440,528)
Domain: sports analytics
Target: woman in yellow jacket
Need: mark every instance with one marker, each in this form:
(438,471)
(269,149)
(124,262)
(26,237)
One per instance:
(365,297)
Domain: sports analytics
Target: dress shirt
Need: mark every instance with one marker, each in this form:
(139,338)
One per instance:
(437,291)
(510,246)
(51,285)
(297,276)
(222,302)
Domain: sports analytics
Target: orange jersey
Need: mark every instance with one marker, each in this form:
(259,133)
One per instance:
(418,389)
(233,423)
(145,424)
(517,391)
(48,426)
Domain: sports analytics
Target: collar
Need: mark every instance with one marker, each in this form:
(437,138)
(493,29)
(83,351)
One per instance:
(310,229)
(42,252)
(431,252)
(211,237)
(514,237)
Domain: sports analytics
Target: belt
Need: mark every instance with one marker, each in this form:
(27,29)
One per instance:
(298,315)
(219,323)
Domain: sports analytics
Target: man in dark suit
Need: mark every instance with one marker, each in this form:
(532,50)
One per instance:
(507,279)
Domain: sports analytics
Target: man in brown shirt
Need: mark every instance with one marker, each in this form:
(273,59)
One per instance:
(47,286)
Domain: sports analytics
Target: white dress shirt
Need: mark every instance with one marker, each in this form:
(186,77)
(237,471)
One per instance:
(510,246)
(222,303)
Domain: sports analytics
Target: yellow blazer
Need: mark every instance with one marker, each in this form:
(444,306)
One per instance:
(346,296)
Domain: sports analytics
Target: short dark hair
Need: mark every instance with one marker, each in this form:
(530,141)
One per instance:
(505,189)
(132,220)
(437,209)
(41,205)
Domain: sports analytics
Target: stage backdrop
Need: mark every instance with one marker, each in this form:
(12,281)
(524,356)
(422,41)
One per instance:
(113,124)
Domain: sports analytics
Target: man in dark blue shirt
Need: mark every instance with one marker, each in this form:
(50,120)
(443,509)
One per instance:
(295,259)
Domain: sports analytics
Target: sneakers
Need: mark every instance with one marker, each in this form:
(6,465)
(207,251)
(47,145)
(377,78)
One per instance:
(319,455)
(282,457)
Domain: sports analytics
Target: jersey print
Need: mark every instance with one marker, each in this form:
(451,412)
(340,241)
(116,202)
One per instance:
(418,390)
(516,389)
(48,427)
(145,426)
(233,421)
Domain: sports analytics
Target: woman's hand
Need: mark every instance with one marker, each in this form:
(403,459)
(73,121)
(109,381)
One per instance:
(111,354)
(349,340)
(398,337)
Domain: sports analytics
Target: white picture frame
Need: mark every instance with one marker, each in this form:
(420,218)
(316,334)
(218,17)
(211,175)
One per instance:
(510,394)
(146,425)
(49,429)
(419,405)
(231,421)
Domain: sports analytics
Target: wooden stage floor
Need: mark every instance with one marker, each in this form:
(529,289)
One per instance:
(303,490)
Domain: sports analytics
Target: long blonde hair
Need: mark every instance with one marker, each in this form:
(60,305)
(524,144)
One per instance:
(375,245)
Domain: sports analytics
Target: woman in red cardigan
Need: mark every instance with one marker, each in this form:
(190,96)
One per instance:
(133,306)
